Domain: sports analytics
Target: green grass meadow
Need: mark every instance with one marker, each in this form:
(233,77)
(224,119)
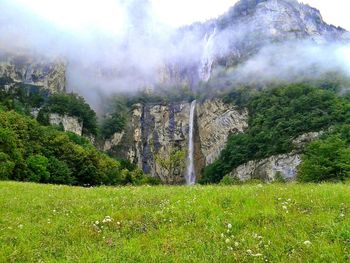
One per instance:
(249,223)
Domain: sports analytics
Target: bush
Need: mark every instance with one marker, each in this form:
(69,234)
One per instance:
(230,180)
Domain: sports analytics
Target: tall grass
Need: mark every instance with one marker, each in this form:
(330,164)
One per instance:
(254,223)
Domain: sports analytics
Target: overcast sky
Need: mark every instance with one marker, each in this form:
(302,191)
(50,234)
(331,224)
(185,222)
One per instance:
(179,12)
(108,15)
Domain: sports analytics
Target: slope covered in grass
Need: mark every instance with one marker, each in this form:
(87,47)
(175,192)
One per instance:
(252,223)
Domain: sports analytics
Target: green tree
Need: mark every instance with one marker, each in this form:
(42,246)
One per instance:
(325,160)
(38,169)
(59,172)
(175,161)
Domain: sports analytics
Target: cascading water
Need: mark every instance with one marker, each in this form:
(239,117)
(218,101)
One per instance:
(190,173)
(207,57)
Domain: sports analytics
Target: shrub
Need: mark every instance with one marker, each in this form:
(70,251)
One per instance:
(230,180)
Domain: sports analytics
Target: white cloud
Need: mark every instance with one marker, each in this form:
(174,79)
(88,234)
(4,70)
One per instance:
(183,12)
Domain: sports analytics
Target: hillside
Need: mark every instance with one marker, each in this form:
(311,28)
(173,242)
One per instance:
(270,223)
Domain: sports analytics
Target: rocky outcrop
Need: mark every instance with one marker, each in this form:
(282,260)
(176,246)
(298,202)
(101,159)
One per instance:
(156,132)
(269,169)
(282,166)
(216,121)
(16,69)
(115,140)
(69,123)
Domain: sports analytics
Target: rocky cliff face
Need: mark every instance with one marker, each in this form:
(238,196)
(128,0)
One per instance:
(18,69)
(157,132)
(216,121)
(70,124)
(284,166)
(248,27)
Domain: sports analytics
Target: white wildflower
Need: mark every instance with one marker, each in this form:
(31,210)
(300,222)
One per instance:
(229,226)
(236,244)
(107,219)
(222,235)
(227,241)
(307,243)
(285,207)
(96,222)
(249,252)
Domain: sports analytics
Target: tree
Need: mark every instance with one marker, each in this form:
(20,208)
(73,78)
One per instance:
(37,165)
(325,160)
(172,163)
(59,172)
(6,166)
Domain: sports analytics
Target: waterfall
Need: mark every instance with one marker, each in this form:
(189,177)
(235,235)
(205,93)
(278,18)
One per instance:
(207,57)
(191,174)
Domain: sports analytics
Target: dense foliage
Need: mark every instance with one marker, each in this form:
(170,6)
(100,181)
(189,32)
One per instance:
(117,119)
(20,97)
(23,98)
(72,105)
(327,159)
(276,117)
(31,152)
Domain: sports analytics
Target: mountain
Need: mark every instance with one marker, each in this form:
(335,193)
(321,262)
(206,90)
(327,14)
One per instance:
(32,71)
(248,27)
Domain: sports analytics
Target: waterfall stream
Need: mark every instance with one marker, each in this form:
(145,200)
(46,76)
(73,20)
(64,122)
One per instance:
(190,173)
(207,56)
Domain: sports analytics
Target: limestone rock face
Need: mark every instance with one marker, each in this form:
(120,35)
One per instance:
(284,165)
(115,140)
(70,124)
(267,169)
(33,71)
(155,131)
(247,28)
(216,121)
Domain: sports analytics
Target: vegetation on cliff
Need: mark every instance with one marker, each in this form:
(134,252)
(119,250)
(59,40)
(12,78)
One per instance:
(327,159)
(31,152)
(72,105)
(276,117)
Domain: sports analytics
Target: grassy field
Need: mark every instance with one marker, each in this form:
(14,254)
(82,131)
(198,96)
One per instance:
(254,223)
